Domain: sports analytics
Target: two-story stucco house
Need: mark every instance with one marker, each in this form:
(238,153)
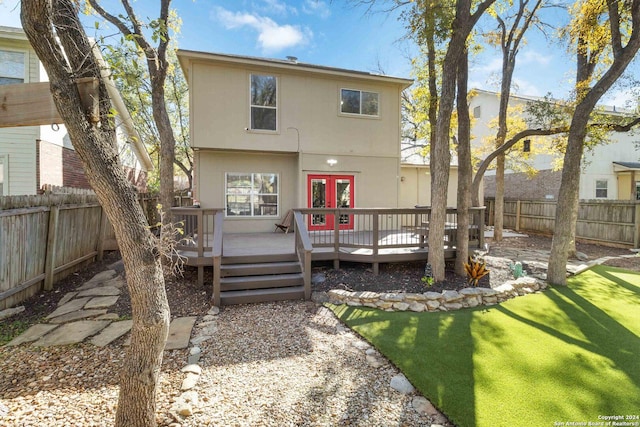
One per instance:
(272,135)
(609,171)
(32,157)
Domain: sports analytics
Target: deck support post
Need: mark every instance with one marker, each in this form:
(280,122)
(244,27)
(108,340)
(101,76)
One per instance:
(376,242)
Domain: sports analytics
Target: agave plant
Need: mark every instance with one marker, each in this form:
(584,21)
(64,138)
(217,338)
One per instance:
(476,270)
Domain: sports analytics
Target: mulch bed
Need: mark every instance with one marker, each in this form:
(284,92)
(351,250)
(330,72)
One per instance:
(186,297)
(392,277)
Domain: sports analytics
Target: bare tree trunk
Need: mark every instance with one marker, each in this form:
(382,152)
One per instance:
(440,160)
(498,219)
(94,141)
(465,169)
(566,212)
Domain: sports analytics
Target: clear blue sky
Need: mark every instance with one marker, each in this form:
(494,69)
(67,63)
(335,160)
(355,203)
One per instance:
(336,33)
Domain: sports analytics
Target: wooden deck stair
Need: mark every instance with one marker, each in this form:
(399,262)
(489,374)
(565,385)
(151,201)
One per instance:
(260,278)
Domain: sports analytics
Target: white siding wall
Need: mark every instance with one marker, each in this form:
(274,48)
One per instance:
(18,145)
(596,165)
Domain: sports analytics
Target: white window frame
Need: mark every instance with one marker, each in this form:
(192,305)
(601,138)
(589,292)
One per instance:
(251,201)
(4,162)
(252,106)
(25,58)
(606,189)
(360,113)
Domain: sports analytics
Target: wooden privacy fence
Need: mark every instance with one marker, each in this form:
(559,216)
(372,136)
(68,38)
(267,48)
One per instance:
(44,238)
(610,222)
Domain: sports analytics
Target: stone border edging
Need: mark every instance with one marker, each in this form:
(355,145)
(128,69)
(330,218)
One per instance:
(435,301)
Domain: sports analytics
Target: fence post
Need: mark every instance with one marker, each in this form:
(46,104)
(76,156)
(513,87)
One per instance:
(636,238)
(101,234)
(517,215)
(52,237)
(492,206)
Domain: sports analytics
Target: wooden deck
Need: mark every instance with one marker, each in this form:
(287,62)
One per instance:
(244,264)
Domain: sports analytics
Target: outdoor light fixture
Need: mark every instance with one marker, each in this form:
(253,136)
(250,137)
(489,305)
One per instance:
(332,162)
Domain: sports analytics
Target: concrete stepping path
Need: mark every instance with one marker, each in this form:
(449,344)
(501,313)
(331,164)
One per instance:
(83,314)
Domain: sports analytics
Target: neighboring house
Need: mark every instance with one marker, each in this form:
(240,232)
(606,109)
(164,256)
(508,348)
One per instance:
(609,171)
(272,135)
(34,156)
(415,182)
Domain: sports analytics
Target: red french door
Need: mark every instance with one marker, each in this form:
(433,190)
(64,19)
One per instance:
(330,191)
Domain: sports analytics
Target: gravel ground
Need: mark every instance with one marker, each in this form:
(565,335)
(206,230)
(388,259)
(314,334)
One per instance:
(276,364)
(299,368)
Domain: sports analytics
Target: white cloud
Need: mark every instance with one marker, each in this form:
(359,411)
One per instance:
(316,7)
(525,88)
(276,7)
(534,57)
(272,37)
(492,66)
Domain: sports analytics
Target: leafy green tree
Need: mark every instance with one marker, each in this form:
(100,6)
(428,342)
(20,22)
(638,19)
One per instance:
(513,19)
(139,32)
(606,38)
(134,84)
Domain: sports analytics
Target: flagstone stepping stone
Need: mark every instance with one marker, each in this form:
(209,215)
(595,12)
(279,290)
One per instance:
(100,291)
(77,315)
(66,298)
(72,333)
(101,302)
(103,276)
(109,316)
(34,333)
(73,305)
(179,333)
(116,282)
(112,332)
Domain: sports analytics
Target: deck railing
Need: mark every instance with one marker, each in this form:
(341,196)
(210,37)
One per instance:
(198,226)
(218,221)
(370,233)
(304,248)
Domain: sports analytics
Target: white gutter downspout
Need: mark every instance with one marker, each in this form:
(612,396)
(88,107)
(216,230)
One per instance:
(118,103)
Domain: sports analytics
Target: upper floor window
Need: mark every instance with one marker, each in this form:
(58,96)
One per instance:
(359,102)
(637,190)
(11,67)
(477,112)
(601,188)
(526,146)
(264,106)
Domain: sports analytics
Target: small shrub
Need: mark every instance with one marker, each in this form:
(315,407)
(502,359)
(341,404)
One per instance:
(427,280)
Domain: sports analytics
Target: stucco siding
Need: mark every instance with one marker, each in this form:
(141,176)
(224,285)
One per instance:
(307,113)
(210,183)
(415,187)
(375,178)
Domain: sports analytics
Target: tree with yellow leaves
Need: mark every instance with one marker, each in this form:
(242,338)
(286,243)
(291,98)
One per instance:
(605,36)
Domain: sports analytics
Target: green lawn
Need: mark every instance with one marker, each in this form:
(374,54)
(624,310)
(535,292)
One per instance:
(568,354)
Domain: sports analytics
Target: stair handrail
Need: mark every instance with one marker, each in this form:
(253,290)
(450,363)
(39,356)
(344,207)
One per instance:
(218,223)
(304,248)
